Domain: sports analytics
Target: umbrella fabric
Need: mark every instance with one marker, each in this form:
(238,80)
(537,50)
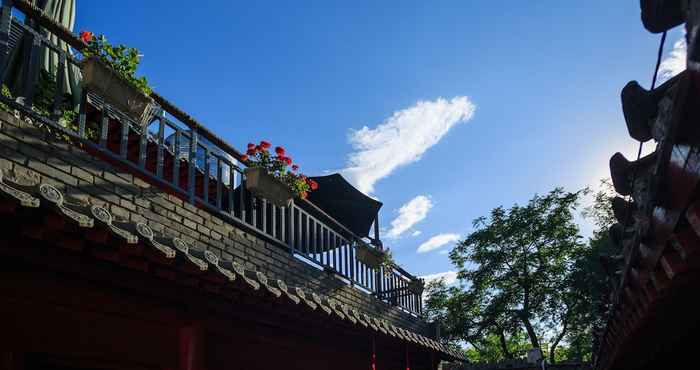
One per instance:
(63,12)
(345,203)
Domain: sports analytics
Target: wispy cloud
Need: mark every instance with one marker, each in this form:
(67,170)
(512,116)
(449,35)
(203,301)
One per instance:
(437,241)
(675,63)
(450,277)
(402,139)
(416,233)
(410,214)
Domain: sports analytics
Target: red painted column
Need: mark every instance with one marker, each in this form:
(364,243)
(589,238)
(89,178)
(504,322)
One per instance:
(408,362)
(191,348)
(374,355)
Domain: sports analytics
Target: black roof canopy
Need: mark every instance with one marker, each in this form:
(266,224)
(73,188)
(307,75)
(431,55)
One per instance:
(339,199)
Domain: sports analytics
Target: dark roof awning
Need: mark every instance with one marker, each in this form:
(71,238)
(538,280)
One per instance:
(342,201)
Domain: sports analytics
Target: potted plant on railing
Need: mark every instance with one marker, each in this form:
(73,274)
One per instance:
(274,176)
(375,257)
(110,71)
(416,286)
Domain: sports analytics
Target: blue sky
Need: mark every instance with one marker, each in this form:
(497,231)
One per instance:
(530,94)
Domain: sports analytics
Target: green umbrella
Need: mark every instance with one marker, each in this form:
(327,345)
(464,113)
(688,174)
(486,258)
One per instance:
(63,12)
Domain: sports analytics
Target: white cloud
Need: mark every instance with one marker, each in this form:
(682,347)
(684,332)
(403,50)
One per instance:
(416,233)
(450,277)
(437,241)
(410,214)
(675,63)
(402,139)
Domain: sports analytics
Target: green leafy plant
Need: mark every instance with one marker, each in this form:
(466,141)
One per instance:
(122,59)
(5,91)
(387,261)
(43,101)
(280,166)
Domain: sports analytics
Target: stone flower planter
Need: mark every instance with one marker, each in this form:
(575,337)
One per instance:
(262,184)
(369,256)
(101,79)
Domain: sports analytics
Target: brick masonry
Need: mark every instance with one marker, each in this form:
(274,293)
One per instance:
(29,151)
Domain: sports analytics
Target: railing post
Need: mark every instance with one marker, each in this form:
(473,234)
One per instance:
(58,94)
(192,160)
(161,140)
(377,278)
(82,118)
(353,262)
(31,51)
(232,187)
(205,178)
(290,226)
(219,183)
(104,124)
(124,141)
(176,157)
(5,27)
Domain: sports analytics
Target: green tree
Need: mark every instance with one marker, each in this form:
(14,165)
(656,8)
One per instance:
(515,275)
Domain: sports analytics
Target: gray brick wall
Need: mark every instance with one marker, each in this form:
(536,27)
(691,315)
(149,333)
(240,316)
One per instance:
(26,150)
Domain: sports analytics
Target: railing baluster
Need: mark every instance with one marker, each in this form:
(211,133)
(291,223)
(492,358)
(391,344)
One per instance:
(219,183)
(191,165)
(273,221)
(104,124)
(231,188)
(307,240)
(290,227)
(124,139)
(344,265)
(312,237)
(264,214)
(318,242)
(177,157)
(363,271)
(352,261)
(143,145)
(32,44)
(242,202)
(338,261)
(326,249)
(283,224)
(161,142)
(253,209)
(300,232)
(58,93)
(205,178)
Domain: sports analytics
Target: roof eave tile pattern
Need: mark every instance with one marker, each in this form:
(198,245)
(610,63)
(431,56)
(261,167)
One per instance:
(90,216)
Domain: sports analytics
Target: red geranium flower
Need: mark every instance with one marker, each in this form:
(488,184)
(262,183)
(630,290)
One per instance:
(251,146)
(313,184)
(251,151)
(244,158)
(295,168)
(279,150)
(265,145)
(86,36)
(258,148)
(287,160)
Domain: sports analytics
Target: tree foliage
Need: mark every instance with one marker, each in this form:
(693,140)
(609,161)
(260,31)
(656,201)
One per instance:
(524,280)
